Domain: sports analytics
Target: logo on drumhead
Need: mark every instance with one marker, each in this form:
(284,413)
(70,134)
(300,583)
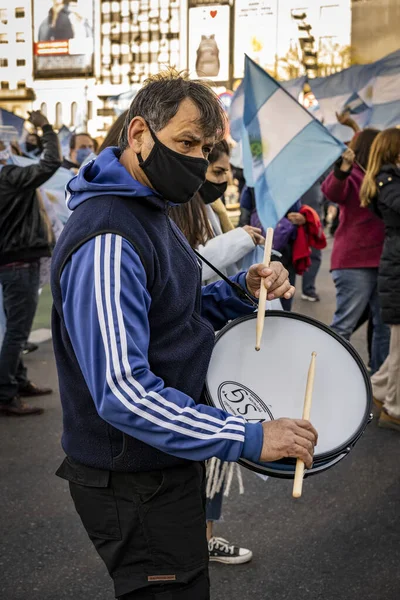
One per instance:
(237,399)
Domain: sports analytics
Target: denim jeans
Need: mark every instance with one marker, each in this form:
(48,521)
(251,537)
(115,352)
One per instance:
(20,285)
(355,290)
(309,277)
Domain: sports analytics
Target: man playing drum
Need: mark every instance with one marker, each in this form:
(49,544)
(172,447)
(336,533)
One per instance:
(133,335)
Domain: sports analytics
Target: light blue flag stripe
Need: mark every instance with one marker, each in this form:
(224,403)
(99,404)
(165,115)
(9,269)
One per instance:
(235,114)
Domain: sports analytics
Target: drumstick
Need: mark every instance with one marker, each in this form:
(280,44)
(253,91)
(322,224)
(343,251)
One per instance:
(299,473)
(263,290)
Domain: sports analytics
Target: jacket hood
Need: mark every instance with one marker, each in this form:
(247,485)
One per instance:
(102,177)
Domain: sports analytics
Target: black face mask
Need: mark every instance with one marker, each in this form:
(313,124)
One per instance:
(210,192)
(31,147)
(175,176)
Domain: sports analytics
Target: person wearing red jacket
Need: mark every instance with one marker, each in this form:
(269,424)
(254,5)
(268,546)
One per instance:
(309,235)
(357,248)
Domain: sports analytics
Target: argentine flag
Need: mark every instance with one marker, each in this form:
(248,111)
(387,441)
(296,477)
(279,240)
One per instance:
(285,149)
(9,119)
(386,93)
(350,89)
(295,86)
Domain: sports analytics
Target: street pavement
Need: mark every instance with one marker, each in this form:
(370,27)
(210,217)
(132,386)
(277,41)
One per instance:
(340,541)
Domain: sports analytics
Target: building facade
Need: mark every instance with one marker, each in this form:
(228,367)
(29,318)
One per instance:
(113,46)
(375,29)
(16,94)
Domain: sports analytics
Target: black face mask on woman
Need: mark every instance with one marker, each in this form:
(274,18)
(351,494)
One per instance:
(175,176)
(210,192)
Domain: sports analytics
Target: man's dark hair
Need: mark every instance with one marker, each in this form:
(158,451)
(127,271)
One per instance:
(72,141)
(219,149)
(158,101)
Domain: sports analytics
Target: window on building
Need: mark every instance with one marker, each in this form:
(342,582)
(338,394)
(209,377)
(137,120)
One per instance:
(4,85)
(43,109)
(138,33)
(3,62)
(3,16)
(20,12)
(330,21)
(21,84)
(21,62)
(20,36)
(58,115)
(3,38)
(74,111)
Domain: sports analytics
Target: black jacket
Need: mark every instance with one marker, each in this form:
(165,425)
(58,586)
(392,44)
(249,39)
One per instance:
(24,233)
(388,205)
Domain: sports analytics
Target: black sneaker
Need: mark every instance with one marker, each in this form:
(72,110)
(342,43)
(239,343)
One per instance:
(222,551)
(311,297)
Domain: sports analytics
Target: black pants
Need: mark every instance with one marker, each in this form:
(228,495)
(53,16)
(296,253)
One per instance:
(149,528)
(20,285)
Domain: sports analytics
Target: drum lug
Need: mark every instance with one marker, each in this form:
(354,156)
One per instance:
(371,418)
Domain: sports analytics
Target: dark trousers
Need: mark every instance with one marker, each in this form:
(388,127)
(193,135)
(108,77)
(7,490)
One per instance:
(149,528)
(310,276)
(20,284)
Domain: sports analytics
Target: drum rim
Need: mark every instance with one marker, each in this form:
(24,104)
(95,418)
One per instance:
(345,447)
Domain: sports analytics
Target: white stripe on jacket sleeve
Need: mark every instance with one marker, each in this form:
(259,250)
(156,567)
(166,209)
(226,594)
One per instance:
(116,356)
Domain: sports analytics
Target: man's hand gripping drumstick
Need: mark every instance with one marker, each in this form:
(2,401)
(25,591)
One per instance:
(299,473)
(272,278)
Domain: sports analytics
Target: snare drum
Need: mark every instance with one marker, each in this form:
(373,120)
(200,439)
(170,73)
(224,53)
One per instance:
(271,383)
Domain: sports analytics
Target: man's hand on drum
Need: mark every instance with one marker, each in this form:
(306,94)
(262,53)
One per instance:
(294,438)
(275,278)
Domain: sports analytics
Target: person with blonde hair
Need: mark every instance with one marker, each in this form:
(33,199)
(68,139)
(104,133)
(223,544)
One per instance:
(381,191)
(357,248)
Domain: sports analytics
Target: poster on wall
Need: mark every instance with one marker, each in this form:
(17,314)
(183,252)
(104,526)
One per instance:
(209,42)
(63,38)
(256,24)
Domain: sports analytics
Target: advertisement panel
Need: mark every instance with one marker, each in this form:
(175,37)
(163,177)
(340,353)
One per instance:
(209,42)
(63,38)
(256,24)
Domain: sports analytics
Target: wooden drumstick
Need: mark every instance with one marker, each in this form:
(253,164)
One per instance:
(263,290)
(299,473)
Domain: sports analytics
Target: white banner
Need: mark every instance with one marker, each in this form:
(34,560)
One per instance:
(256,24)
(209,42)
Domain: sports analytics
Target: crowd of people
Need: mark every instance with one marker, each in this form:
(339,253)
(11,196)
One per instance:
(131,322)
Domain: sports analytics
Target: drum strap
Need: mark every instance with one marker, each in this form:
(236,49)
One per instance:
(242,293)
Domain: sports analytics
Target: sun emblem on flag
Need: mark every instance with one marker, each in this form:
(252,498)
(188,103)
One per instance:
(256,148)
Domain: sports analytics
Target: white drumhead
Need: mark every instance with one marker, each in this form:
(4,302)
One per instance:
(277,376)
